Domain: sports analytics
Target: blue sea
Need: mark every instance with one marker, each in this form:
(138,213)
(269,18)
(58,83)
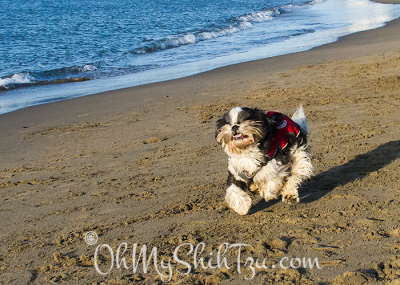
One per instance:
(54,50)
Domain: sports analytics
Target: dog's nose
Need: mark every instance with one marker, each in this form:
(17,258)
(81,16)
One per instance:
(235,128)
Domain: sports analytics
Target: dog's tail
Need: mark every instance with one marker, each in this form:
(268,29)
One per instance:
(300,118)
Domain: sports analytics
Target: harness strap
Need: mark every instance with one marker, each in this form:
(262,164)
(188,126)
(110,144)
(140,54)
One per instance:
(279,140)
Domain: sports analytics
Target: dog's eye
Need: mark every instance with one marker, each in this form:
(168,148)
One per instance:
(244,116)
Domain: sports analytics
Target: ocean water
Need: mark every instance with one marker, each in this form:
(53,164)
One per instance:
(54,50)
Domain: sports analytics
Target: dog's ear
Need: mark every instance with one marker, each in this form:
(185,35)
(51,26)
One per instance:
(269,125)
(261,116)
(220,124)
(273,122)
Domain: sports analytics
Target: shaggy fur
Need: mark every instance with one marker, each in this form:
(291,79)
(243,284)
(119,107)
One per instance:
(246,135)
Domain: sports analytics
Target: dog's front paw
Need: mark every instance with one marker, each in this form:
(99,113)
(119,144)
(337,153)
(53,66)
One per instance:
(238,200)
(290,198)
(253,187)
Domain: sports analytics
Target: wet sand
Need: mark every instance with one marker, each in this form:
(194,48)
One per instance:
(140,165)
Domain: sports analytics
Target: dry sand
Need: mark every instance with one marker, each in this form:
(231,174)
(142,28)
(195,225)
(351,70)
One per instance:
(141,165)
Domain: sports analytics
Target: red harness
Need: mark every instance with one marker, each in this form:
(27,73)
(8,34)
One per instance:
(279,138)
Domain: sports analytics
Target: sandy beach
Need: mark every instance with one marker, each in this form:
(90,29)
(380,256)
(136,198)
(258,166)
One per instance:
(141,166)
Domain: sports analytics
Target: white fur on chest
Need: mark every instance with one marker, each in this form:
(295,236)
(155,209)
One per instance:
(248,160)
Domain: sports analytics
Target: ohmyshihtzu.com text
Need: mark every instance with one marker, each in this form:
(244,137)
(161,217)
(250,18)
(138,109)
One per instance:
(195,253)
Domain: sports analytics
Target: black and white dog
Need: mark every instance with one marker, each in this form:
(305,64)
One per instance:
(268,154)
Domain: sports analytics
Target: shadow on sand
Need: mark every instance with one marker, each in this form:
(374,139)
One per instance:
(357,168)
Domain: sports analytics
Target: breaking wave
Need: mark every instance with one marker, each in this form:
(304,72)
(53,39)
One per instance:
(16,79)
(55,76)
(233,26)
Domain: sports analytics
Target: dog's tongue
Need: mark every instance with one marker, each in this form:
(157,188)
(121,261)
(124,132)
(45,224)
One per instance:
(238,137)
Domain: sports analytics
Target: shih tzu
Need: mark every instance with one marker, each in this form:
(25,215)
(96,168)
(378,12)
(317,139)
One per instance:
(268,154)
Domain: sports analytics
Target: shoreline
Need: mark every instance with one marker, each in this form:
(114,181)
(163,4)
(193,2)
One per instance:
(141,166)
(76,91)
(370,40)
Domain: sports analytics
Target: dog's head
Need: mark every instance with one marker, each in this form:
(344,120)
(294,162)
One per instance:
(241,128)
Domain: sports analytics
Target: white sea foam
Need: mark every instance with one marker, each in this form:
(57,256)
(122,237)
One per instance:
(176,41)
(89,67)
(258,17)
(19,78)
(222,32)
(189,38)
(315,2)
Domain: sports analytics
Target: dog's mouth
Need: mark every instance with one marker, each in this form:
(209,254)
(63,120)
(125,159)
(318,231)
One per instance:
(239,137)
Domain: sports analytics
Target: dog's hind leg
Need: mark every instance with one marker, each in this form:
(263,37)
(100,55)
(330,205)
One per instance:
(301,169)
